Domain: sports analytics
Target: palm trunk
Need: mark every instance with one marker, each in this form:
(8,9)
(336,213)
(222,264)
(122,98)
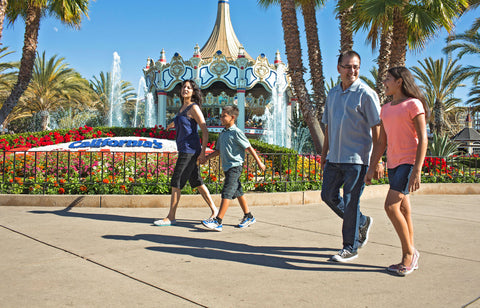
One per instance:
(438,113)
(3,9)
(32,25)
(296,70)
(314,56)
(399,42)
(44,117)
(346,32)
(382,61)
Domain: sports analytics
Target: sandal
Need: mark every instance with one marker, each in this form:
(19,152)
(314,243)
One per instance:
(405,270)
(393,267)
(164,223)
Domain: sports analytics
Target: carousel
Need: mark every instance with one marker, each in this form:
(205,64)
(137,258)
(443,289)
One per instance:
(227,75)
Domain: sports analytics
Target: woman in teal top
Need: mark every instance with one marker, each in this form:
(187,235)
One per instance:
(189,150)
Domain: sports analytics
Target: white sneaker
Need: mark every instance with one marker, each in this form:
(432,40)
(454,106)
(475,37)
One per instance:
(344,255)
(212,224)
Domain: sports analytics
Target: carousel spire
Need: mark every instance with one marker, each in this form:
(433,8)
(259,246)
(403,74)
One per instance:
(163,58)
(223,36)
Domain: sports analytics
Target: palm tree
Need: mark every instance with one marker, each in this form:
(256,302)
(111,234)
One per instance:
(415,22)
(69,12)
(7,73)
(3,9)
(439,81)
(314,53)
(345,10)
(368,81)
(102,86)
(402,24)
(54,86)
(467,43)
(376,17)
(296,70)
(474,98)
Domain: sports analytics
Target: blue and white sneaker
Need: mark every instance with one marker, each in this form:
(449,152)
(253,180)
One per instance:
(212,224)
(246,221)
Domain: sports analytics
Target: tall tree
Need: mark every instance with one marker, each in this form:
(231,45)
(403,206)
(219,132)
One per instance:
(308,8)
(54,85)
(402,25)
(439,81)
(467,43)
(69,12)
(314,52)
(415,22)
(296,70)
(376,18)
(3,9)
(310,110)
(345,9)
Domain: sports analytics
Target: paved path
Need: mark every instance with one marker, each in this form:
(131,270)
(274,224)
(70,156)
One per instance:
(96,257)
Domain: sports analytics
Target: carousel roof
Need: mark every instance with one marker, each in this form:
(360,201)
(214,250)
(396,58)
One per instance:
(468,133)
(223,36)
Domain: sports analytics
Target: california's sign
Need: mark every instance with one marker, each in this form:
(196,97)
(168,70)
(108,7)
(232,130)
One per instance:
(114,144)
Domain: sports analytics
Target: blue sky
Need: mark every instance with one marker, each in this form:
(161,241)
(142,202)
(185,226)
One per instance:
(138,30)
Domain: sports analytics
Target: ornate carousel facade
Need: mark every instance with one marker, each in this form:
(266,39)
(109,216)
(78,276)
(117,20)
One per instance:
(227,75)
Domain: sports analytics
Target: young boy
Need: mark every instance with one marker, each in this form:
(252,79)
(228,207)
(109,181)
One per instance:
(231,146)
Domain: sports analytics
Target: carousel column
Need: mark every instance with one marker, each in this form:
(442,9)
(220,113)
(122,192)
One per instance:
(162,109)
(241,87)
(241,108)
(289,127)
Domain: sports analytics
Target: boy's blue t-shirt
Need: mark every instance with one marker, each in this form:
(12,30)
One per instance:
(232,143)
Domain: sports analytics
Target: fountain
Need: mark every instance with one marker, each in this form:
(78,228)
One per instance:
(275,117)
(149,110)
(141,88)
(116,100)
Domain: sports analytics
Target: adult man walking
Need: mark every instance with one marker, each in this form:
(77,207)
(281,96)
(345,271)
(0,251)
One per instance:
(352,118)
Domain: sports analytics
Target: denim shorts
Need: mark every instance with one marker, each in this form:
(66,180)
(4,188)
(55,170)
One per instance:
(232,187)
(399,177)
(186,169)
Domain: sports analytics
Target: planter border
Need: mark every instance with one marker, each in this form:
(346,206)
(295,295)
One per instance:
(254,199)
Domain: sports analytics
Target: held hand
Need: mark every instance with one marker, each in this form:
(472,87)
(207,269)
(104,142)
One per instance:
(414,183)
(202,158)
(379,171)
(368,176)
(323,161)
(261,166)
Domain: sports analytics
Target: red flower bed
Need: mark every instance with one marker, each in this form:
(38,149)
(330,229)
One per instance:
(436,165)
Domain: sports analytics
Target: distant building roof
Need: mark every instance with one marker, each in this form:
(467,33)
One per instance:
(467,134)
(223,36)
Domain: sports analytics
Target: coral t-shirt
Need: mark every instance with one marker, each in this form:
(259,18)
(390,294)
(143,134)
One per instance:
(402,139)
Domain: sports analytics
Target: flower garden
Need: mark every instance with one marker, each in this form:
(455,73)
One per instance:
(84,173)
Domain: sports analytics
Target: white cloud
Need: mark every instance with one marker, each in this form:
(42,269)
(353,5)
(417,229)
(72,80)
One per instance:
(55,29)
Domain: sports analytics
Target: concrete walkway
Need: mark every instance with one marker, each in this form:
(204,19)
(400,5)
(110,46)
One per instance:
(115,257)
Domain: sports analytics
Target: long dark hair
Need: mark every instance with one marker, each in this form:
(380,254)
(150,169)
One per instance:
(409,87)
(197,95)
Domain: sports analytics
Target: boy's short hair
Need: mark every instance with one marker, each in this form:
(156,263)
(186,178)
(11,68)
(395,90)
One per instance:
(231,110)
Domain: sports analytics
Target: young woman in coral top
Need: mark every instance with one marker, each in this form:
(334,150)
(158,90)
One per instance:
(403,133)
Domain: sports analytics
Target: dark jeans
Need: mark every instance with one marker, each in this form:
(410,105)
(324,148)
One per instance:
(351,176)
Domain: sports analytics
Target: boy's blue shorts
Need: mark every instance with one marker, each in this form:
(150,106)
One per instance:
(232,187)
